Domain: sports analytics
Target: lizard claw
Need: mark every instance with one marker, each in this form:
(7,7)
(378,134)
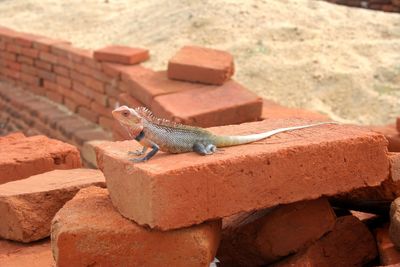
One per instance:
(138,160)
(136,153)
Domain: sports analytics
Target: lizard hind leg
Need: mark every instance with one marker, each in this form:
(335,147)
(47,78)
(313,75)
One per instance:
(203,150)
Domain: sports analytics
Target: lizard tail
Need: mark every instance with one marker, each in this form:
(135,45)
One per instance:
(224,141)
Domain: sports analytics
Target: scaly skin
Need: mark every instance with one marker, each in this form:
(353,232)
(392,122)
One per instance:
(160,134)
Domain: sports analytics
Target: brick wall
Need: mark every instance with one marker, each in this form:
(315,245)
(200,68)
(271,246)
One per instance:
(84,83)
(383,5)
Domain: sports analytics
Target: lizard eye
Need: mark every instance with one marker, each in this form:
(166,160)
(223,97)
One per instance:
(125,113)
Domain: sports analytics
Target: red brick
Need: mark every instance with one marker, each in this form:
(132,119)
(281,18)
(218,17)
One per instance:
(29,79)
(99,98)
(37,254)
(92,63)
(349,244)
(229,104)
(391,134)
(122,54)
(88,114)
(44,44)
(108,237)
(9,56)
(60,70)
(13,48)
(259,238)
(101,110)
(79,99)
(199,64)
(124,71)
(94,84)
(77,77)
(45,56)
(91,134)
(145,87)
(70,125)
(48,75)
(26,39)
(62,50)
(285,168)
(43,65)
(29,52)
(79,54)
(39,90)
(394,228)
(65,82)
(272,110)
(112,89)
(50,85)
(28,206)
(34,155)
(388,254)
(54,96)
(70,104)
(398,124)
(88,152)
(26,60)
(127,100)
(106,123)
(14,65)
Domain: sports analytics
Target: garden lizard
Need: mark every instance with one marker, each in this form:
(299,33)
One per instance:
(160,134)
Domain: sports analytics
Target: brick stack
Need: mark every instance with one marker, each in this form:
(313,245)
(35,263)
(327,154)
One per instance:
(38,176)
(276,191)
(382,5)
(392,134)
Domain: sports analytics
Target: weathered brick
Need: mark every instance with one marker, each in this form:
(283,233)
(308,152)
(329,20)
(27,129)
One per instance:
(25,39)
(48,75)
(199,64)
(388,254)
(61,70)
(79,99)
(43,65)
(73,123)
(29,79)
(37,254)
(88,114)
(70,104)
(122,54)
(65,82)
(44,44)
(230,103)
(45,56)
(33,155)
(91,134)
(29,52)
(54,96)
(349,244)
(25,60)
(101,110)
(28,205)
(106,123)
(299,165)
(13,48)
(50,85)
(259,238)
(109,239)
(145,87)
(128,100)
(94,84)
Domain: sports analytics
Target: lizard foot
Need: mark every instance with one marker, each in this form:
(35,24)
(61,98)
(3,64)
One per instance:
(138,160)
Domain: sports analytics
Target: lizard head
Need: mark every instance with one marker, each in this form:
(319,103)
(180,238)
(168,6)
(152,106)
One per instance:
(127,116)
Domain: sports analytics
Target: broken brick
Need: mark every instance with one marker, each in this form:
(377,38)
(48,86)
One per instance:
(259,238)
(230,103)
(27,206)
(98,233)
(199,64)
(121,54)
(33,155)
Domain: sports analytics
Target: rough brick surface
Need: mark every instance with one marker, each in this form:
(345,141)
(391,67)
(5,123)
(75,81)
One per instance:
(33,155)
(199,64)
(211,106)
(258,238)
(391,134)
(37,254)
(285,168)
(394,230)
(349,244)
(145,86)
(121,54)
(97,233)
(27,206)
(272,110)
(388,254)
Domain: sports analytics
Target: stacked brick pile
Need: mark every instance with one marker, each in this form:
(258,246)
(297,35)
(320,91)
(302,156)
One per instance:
(383,5)
(249,206)
(38,176)
(392,134)
(91,83)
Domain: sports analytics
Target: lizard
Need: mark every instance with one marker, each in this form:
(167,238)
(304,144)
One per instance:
(168,136)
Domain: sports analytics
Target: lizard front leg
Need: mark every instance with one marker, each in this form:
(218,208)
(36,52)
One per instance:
(149,155)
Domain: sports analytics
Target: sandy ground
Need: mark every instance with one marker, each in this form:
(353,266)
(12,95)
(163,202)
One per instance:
(341,61)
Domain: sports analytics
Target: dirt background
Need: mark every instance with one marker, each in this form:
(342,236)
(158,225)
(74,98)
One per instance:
(341,61)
